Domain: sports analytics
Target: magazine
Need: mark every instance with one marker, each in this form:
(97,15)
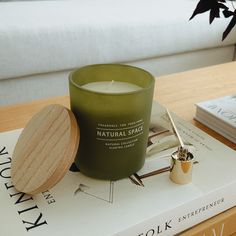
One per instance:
(220,115)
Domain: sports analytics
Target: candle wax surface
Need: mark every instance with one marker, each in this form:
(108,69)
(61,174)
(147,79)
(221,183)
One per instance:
(111,87)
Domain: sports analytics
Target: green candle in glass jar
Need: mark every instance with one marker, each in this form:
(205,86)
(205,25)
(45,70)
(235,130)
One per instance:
(112,104)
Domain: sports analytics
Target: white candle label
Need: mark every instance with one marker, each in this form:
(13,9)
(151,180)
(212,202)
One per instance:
(119,136)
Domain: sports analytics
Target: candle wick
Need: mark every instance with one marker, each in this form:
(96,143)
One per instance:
(110,84)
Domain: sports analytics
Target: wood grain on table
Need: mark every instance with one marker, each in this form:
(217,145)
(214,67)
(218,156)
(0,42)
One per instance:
(179,92)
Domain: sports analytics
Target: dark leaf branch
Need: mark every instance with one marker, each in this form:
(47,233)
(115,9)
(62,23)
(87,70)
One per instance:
(215,7)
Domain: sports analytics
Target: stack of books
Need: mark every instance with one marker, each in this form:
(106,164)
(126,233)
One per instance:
(220,115)
(149,204)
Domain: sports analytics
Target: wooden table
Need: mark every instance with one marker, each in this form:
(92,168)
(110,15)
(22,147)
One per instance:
(179,92)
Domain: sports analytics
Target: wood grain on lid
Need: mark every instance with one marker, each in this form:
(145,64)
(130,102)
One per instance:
(45,150)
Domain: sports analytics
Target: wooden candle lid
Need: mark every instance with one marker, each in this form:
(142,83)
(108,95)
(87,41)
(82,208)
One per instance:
(45,150)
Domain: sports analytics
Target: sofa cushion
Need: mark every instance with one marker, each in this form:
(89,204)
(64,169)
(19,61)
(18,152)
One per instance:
(44,36)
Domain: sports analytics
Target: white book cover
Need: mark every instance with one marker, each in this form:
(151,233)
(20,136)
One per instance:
(223,108)
(79,205)
(216,122)
(216,125)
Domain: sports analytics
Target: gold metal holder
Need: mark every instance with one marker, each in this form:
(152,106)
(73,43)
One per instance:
(182,160)
(181,166)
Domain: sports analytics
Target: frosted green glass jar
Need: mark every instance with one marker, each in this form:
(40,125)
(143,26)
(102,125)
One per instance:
(113,120)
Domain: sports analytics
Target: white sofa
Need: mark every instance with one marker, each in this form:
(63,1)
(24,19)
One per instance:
(42,41)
